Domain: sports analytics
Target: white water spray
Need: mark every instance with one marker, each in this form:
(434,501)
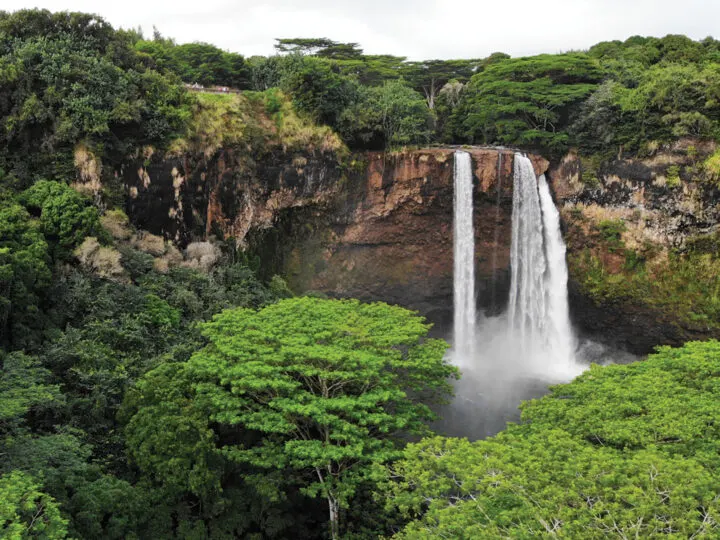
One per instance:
(515,356)
(526,309)
(464,254)
(560,336)
(538,314)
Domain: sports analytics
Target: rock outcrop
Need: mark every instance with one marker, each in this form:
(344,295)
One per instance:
(391,238)
(375,226)
(629,225)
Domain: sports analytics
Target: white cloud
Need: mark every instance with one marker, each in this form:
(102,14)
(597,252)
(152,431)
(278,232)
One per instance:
(414,28)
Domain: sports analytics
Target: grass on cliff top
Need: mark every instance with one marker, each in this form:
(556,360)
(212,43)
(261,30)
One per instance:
(252,121)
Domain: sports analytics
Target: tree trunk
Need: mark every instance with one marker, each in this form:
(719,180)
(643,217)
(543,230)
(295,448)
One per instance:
(334,517)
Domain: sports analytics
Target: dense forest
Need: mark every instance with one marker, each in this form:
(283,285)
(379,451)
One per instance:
(149,393)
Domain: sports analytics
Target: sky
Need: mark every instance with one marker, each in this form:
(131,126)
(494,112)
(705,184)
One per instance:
(418,29)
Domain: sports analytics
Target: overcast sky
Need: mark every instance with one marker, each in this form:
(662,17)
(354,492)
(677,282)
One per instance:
(418,29)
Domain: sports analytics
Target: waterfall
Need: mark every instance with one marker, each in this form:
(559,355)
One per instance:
(510,357)
(560,331)
(538,315)
(526,310)
(464,258)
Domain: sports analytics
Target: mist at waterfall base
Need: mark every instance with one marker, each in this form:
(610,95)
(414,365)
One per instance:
(515,356)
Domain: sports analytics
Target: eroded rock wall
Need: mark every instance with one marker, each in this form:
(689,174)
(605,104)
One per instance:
(375,226)
(392,236)
(629,223)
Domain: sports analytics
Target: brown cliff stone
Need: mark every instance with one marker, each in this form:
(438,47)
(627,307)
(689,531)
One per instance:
(376,227)
(394,239)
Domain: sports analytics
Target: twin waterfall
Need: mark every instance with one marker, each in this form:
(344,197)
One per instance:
(537,331)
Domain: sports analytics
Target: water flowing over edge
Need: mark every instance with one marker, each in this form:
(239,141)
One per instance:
(538,311)
(464,258)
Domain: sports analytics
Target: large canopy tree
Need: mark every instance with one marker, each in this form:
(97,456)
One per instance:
(624,451)
(430,76)
(323,387)
(525,101)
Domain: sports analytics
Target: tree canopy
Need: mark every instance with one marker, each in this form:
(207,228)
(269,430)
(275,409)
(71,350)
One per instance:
(67,77)
(622,451)
(324,387)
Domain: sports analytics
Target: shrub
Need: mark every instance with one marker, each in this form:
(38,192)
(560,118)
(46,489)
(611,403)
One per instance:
(673,176)
(712,169)
(611,232)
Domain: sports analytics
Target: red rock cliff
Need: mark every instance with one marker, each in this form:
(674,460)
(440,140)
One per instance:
(376,227)
(391,238)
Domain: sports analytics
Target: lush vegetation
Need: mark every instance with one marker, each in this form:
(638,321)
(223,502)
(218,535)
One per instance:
(144,396)
(681,284)
(305,394)
(70,77)
(622,452)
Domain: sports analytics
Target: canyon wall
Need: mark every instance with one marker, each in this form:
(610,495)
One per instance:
(374,226)
(378,226)
(642,236)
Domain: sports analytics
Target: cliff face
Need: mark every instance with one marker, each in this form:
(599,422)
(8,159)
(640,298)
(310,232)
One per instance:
(378,226)
(635,229)
(391,238)
(227,194)
(375,227)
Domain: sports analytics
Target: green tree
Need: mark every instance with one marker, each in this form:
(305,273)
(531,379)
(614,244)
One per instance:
(322,47)
(547,484)
(327,387)
(66,77)
(622,451)
(201,63)
(24,274)
(24,385)
(66,217)
(525,101)
(387,116)
(27,512)
(319,89)
(430,76)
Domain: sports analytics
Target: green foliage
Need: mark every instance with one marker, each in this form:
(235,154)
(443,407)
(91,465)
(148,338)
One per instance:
(321,47)
(27,512)
(67,77)
(23,386)
(24,274)
(660,102)
(279,287)
(673,176)
(160,313)
(256,120)
(430,76)
(667,402)
(623,451)
(66,217)
(525,101)
(683,286)
(388,116)
(122,415)
(323,387)
(319,89)
(711,167)
(200,63)
(611,232)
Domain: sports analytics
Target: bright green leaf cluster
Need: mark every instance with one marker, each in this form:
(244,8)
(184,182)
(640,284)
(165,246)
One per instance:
(624,451)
